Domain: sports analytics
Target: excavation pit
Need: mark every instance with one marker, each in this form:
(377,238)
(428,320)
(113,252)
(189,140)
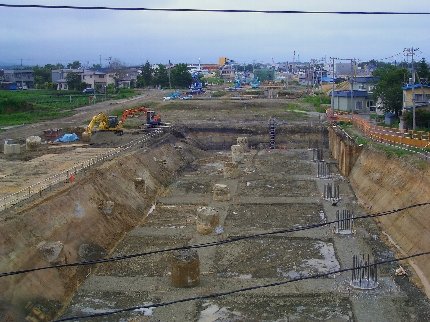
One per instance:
(192,185)
(277,308)
(278,188)
(281,164)
(155,265)
(276,257)
(89,302)
(172,216)
(271,216)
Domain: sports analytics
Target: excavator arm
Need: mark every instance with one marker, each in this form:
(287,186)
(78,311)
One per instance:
(103,123)
(100,119)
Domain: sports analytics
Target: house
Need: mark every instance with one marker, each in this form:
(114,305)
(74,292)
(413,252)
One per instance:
(59,77)
(18,78)
(94,79)
(416,93)
(366,83)
(126,77)
(97,79)
(351,101)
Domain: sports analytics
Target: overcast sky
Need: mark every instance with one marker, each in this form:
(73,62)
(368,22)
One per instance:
(40,36)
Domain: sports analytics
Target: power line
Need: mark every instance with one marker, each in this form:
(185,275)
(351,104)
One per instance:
(250,288)
(209,244)
(38,6)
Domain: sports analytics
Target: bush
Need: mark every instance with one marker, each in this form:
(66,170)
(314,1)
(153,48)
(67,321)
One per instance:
(317,100)
(422,119)
(9,105)
(218,94)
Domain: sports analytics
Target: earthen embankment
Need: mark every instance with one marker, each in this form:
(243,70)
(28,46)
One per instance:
(382,183)
(82,222)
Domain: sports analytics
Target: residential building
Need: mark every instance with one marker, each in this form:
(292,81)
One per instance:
(19,78)
(127,77)
(365,83)
(227,72)
(359,101)
(418,94)
(94,79)
(59,77)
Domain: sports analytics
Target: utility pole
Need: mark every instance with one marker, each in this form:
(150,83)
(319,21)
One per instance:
(351,80)
(333,83)
(410,52)
(168,74)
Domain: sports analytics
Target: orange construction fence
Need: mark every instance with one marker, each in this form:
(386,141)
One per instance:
(417,139)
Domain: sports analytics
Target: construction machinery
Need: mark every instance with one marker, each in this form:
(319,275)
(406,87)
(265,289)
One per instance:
(114,124)
(255,83)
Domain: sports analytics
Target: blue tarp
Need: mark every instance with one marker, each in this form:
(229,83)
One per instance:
(326,79)
(68,137)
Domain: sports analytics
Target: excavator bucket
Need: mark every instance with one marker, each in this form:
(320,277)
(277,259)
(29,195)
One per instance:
(86,137)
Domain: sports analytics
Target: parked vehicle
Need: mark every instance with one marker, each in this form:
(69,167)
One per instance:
(89,91)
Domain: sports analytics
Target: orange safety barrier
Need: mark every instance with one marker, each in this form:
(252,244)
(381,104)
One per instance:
(417,139)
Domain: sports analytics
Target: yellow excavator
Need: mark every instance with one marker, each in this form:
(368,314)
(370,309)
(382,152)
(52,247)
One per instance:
(113,123)
(104,123)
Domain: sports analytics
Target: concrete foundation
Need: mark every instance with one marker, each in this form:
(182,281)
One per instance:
(243,142)
(237,153)
(33,142)
(221,192)
(207,220)
(11,148)
(140,185)
(185,268)
(231,170)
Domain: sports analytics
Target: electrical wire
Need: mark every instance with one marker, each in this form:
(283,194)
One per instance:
(209,244)
(38,6)
(250,288)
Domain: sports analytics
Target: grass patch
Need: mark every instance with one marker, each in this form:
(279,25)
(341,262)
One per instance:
(317,100)
(360,140)
(391,151)
(219,94)
(320,109)
(293,107)
(18,107)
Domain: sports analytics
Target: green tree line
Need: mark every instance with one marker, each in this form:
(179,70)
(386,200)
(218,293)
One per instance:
(151,76)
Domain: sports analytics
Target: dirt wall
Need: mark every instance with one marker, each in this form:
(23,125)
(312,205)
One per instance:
(82,223)
(383,183)
(343,149)
(287,136)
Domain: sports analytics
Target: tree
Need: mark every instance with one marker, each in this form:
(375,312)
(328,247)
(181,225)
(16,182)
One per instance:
(265,74)
(146,78)
(42,75)
(389,88)
(75,65)
(423,70)
(180,76)
(74,81)
(161,78)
